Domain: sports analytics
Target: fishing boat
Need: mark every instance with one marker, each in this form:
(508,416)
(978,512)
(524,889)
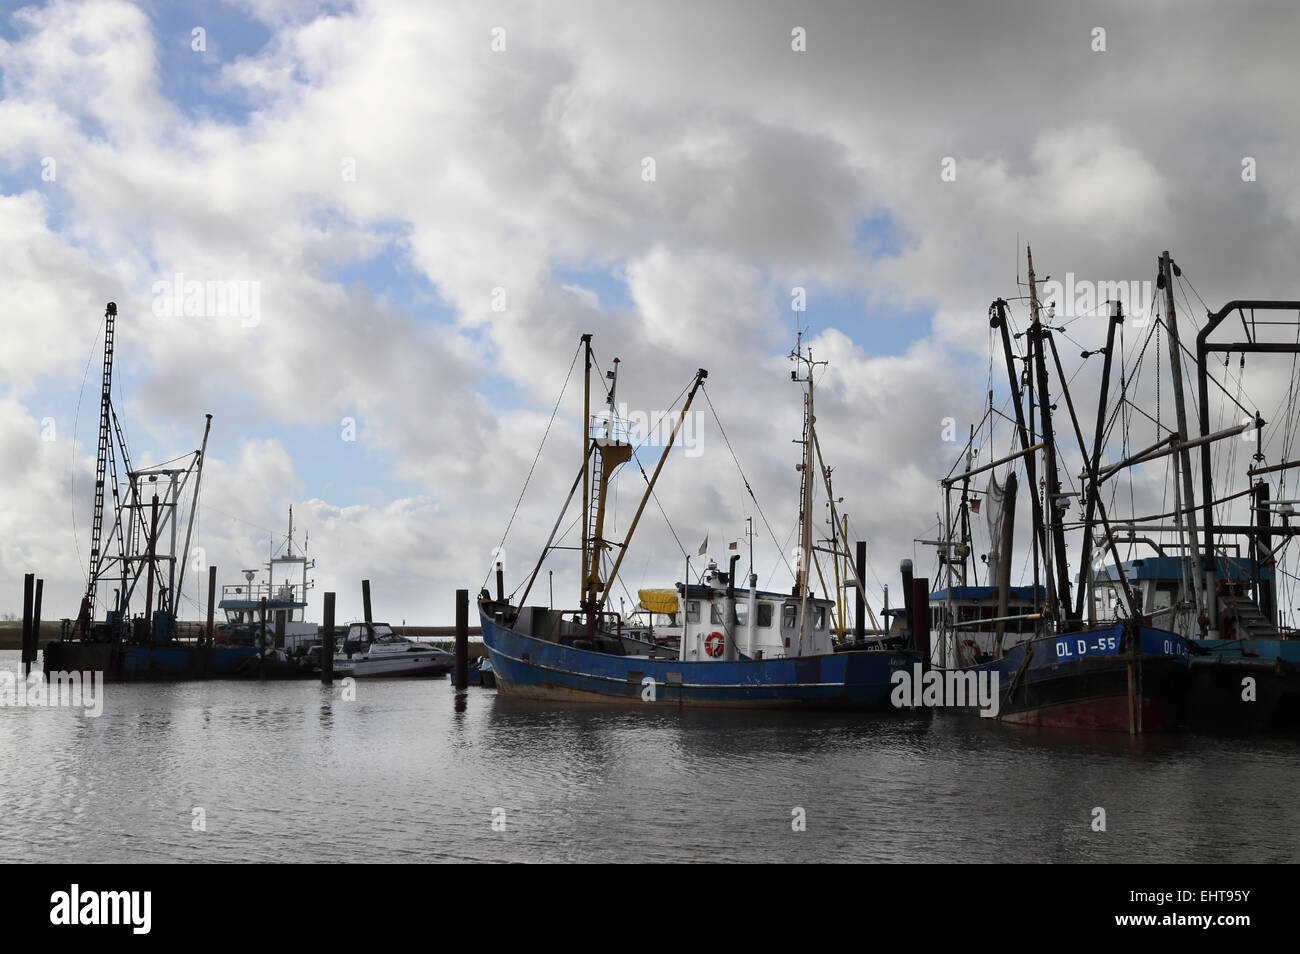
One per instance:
(1053,666)
(374,649)
(274,609)
(1248,645)
(739,647)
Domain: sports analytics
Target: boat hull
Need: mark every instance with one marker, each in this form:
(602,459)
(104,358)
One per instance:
(1086,681)
(121,662)
(1222,696)
(527,667)
(398,664)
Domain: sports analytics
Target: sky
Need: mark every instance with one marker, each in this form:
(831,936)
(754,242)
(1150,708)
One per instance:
(424,207)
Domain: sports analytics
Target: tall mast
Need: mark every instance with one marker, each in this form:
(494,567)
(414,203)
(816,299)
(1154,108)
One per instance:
(598,601)
(802,586)
(1202,573)
(586,453)
(198,478)
(607,454)
(1092,464)
(1000,321)
(1053,526)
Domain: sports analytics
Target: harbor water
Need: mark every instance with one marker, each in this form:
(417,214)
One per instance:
(292,772)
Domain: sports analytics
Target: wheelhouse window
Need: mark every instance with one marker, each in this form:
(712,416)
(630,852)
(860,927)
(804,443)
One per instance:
(715,613)
(692,611)
(821,618)
(789,616)
(742,614)
(765,615)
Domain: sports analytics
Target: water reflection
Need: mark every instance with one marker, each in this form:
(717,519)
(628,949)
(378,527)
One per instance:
(413,771)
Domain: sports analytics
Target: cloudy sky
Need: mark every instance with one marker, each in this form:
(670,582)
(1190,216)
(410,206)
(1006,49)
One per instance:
(425,206)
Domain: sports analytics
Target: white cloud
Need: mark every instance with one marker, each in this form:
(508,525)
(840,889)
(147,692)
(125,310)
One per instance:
(480,171)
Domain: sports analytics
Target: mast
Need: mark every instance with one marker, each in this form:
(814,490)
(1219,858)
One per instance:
(608,453)
(586,453)
(598,602)
(1054,527)
(1090,505)
(805,485)
(1202,572)
(198,478)
(965,506)
(999,321)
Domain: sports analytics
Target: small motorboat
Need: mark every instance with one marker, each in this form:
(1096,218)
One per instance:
(374,649)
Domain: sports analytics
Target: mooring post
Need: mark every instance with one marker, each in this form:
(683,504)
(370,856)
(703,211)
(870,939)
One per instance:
(921,611)
(29,583)
(212,601)
(261,643)
(327,642)
(462,639)
(36,621)
(859,619)
(365,603)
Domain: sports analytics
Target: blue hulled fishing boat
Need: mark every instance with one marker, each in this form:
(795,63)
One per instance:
(1111,669)
(740,646)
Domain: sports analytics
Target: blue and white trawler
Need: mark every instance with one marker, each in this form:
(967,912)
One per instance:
(740,646)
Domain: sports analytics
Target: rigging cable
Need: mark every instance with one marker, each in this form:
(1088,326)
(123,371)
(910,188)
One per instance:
(536,457)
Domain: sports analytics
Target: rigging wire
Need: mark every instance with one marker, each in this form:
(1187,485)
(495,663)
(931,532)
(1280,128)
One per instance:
(536,457)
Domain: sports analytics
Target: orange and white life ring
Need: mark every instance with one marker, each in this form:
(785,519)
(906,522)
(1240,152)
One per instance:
(714,644)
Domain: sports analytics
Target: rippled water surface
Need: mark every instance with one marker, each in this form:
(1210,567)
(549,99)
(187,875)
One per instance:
(288,771)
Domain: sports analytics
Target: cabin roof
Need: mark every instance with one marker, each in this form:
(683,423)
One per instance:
(1168,568)
(257,604)
(701,591)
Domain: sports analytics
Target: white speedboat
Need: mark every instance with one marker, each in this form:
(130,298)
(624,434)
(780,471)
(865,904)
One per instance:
(373,649)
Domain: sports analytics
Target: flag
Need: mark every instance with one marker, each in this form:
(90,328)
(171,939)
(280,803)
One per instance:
(704,547)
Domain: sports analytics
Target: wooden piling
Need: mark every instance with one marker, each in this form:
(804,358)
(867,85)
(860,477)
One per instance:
(327,642)
(29,584)
(365,604)
(279,628)
(212,602)
(36,621)
(860,610)
(461,679)
(261,643)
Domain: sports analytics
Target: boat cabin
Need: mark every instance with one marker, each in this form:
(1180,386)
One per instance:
(963,631)
(752,623)
(1158,581)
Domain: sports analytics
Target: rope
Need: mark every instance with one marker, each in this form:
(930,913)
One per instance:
(536,457)
(736,461)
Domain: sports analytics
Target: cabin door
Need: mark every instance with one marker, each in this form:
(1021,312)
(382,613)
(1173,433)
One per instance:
(790,627)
